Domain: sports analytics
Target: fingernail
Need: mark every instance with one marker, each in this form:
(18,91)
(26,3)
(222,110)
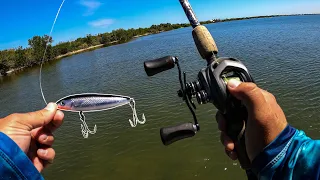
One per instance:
(43,137)
(51,106)
(43,152)
(233,83)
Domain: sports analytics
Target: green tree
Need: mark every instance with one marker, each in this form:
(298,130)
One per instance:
(28,53)
(91,40)
(106,38)
(8,56)
(20,59)
(38,45)
(4,68)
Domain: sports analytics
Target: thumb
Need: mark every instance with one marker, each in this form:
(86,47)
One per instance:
(40,118)
(248,93)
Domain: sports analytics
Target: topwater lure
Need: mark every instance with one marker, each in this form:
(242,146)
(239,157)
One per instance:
(90,102)
(93,102)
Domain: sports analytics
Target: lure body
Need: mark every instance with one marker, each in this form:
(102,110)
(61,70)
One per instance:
(91,102)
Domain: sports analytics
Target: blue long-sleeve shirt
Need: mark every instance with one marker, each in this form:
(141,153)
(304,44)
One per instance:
(292,155)
(14,163)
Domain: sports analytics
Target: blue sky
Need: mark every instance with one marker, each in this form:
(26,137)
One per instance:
(22,19)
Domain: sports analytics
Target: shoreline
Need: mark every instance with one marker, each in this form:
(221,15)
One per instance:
(91,48)
(79,51)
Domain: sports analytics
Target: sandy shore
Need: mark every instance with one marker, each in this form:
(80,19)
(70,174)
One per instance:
(78,51)
(137,36)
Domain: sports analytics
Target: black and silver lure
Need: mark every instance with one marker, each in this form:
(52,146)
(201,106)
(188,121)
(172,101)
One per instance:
(93,102)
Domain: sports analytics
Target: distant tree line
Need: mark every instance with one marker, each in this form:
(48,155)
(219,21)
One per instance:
(33,54)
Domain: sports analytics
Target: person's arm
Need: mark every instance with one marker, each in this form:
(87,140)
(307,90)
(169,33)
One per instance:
(276,149)
(14,163)
(292,155)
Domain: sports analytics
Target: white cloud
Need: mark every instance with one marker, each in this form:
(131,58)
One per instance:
(101,23)
(91,6)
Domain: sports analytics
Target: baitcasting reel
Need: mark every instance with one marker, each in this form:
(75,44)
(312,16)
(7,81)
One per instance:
(210,87)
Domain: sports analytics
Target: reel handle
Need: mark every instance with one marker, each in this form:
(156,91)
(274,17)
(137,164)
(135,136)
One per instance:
(172,134)
(156,66)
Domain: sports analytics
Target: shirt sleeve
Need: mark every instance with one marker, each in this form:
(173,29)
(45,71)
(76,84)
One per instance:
(292,155)
(14,163)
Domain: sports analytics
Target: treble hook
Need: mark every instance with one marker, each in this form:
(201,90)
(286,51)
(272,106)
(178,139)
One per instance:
(84,127)
(135,120)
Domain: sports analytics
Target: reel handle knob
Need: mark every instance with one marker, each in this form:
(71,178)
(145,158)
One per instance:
(172,134)
(156,66)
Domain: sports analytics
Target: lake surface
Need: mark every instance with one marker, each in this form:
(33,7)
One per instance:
(281,53)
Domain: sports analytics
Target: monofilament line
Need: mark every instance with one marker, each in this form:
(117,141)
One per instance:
(45,51)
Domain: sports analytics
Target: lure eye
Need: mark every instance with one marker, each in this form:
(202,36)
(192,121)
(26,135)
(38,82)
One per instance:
(62,103)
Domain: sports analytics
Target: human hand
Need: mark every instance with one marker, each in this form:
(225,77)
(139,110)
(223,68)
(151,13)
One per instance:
(266,119)
(32,132)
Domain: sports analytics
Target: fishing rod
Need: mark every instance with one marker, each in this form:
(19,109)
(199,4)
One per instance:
(210,87)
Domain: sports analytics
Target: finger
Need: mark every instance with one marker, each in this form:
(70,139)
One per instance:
(39,118)
(42,160)
(46,154)
(42,136)
(226,141)
(222,124)
(232,154)
(45,137)
(248,93)
(56,122)
(38,163)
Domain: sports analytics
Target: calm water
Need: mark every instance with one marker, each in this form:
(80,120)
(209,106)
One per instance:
(281,53)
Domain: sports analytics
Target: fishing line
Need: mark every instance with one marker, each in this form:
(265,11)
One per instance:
(45,51)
